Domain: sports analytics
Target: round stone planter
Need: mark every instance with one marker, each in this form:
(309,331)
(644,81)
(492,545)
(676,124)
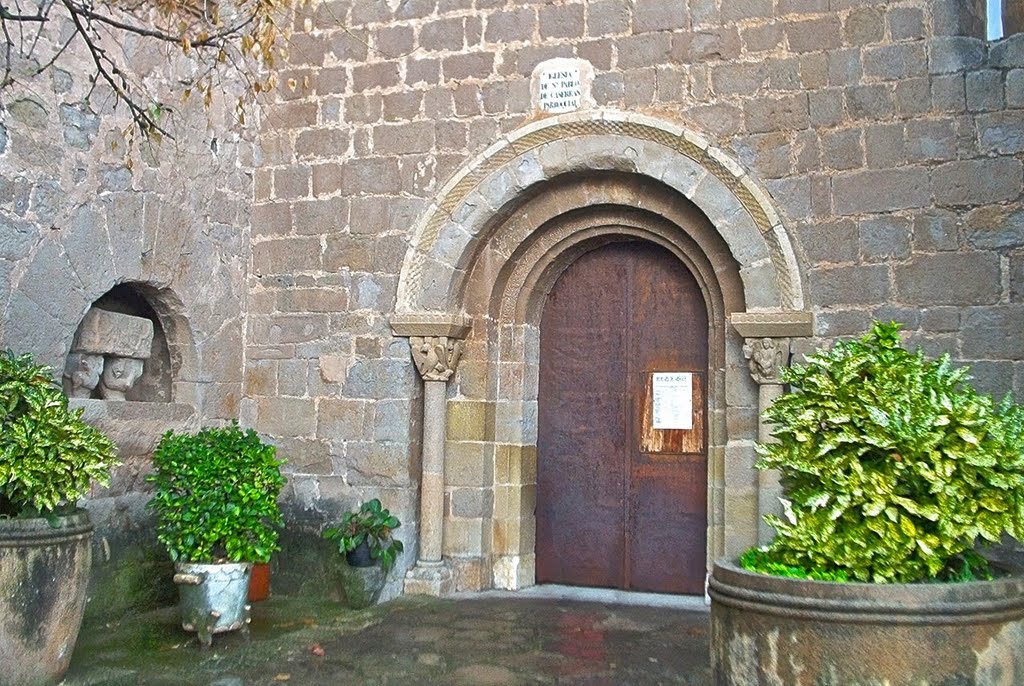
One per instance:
(771,630)
(44,573)
(361,586)
(213,597)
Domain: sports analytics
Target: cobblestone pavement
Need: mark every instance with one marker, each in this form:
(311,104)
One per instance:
(478,641)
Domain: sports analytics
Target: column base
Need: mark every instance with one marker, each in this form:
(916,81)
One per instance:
(430,578)
(515,572)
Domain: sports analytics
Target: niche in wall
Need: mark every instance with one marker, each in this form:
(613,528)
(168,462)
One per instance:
(120,349)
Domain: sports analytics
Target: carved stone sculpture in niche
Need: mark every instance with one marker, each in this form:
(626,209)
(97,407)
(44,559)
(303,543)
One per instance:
(435,356)
(112,344)
(119,375)
(82,374)
(765,357)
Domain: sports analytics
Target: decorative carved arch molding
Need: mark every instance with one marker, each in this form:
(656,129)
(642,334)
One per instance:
(484,256)
(447,238)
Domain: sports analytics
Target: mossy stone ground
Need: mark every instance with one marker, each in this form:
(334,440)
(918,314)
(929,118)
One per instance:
(474,641)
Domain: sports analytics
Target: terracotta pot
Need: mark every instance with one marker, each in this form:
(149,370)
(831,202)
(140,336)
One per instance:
(771,630)
(44,572)
(259,582)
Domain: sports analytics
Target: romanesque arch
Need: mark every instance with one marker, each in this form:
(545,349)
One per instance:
(481,261)
(449,234)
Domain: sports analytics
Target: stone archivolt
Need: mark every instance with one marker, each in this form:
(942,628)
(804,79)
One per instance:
(493,244)
(631,143)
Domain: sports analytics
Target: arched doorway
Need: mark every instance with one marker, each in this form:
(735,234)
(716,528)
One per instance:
(484,258)
(622,449)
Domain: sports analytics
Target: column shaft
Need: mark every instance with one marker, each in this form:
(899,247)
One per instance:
(432,482)
(769,490)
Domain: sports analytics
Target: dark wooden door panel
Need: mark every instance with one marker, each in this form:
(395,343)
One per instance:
(581,489)
(667,520)
(620,504)
(668,532)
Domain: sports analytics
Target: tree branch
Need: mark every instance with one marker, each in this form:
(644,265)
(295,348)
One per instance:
(107,70)
(211,41)
(250,43)
(6,15)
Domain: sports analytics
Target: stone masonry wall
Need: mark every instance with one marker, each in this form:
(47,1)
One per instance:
(890,137)
(80,212)
(83,208)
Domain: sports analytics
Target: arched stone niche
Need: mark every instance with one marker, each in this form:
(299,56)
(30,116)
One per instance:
(483,259)
(120,343)
(134,324)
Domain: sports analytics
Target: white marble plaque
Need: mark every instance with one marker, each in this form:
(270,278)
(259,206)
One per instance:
(560,89)
(673,400)
(562,85)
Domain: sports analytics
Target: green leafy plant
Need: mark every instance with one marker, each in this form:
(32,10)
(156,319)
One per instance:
(216,495)
(894,467)
(371,524)
(759,560)
(48,455)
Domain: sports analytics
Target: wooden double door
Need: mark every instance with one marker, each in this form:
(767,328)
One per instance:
(621,499)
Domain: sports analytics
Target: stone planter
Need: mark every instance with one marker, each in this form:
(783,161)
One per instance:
(213,597)
(44,572)
(771,630)
(361,586)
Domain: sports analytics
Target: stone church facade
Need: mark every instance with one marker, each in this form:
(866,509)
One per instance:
(363,274)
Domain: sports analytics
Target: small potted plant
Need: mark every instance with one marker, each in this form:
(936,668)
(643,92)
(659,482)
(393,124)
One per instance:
(48,459)
(896,471)
(215,500)
(366,538)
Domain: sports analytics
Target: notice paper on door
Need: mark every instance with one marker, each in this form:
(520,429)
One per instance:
(673,400)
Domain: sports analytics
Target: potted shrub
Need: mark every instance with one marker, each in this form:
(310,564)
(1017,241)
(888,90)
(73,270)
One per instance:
(215,499)
(895,470)
(366,538)
(48,458)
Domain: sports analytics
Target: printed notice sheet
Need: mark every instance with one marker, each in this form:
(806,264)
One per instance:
(673,400)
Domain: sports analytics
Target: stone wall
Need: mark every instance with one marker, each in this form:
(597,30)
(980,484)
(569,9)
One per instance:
(888,134)
(83,208)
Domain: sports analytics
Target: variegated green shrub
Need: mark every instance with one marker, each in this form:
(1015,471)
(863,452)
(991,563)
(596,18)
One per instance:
(894,467)
(48,455)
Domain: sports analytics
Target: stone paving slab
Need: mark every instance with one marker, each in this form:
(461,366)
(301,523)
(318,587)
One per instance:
(498,640)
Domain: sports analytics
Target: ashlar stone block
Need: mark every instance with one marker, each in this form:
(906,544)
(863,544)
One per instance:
(111,333)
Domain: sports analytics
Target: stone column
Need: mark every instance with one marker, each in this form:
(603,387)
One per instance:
(432,479)
(766,357)
(766,348)
(435,341)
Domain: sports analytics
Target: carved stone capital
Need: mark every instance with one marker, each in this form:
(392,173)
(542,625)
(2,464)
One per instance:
(766,357)
(435,356)
(82,374)
(120,374)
